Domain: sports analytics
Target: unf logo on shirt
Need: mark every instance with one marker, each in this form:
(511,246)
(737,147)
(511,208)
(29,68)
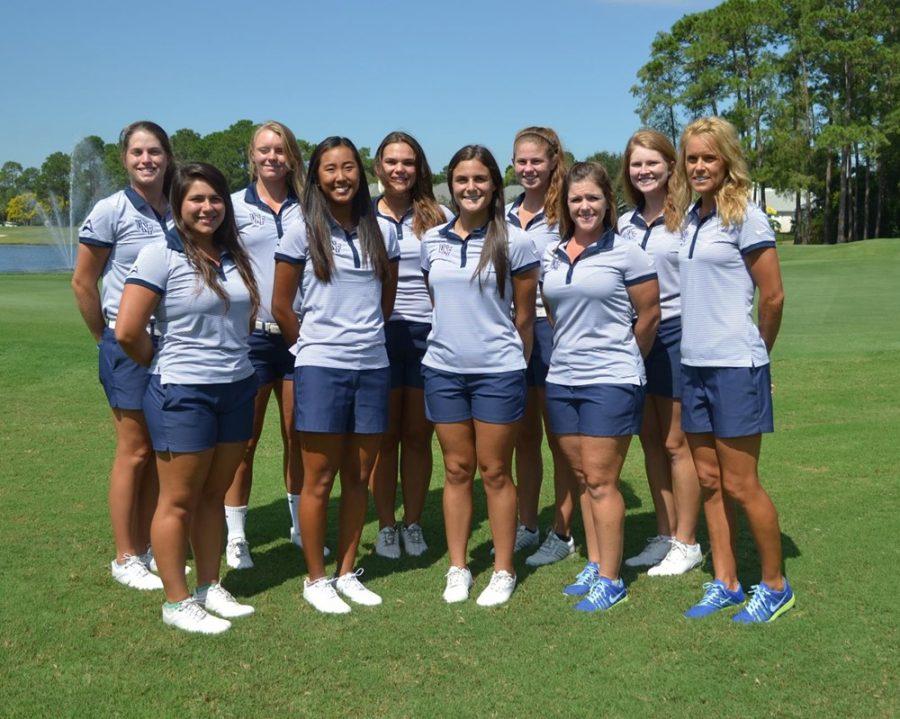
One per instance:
(144,225)
(335,247)
(444,248)
(631,232)
(257,219)
(554,264)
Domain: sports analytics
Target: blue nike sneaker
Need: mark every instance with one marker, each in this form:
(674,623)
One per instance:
(584,581)
(766,605)
(604,595)
(716,597)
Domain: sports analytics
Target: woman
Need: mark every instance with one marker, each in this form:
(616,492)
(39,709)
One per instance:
(478,270)
(540,168)
(727,253)
(656,225)
(109,241)
(594,282)
(408,204)
(346,259)
(199,401)
(263,210)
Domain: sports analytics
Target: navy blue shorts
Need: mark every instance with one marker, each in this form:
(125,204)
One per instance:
(539,364)
(595,410)
(195,417)
(123,379)
(663,364)
(405,344)
(498,397)
(726,401)
(341,401)
(271,357)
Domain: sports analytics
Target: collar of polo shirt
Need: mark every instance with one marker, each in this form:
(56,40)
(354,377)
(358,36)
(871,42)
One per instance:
(603,244)
(335,225)
(637,218)
(174,242)
(513,216)
(251,197)
(447,231)
(390,219)
(695,210)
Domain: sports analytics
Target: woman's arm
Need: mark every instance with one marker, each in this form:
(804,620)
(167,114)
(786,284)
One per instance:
(389,290)
(524,295)
(287,279)
(135,310)
(88,268)
(766,273)
(546,305)
(645,300)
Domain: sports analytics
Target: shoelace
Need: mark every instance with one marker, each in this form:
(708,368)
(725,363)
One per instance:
(757,606)
(414,533)
(603,592)
(240,547)
(353,579)
(223,593)
(586,576)
(456,577)
(500,580)
(715,596)
(191,607)
(135,564)
(389,535)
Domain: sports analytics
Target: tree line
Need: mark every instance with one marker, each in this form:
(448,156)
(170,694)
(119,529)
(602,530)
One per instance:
(811,86)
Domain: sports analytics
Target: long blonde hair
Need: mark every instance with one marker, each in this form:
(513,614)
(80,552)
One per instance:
(296,176)
(656,141)
(547,138)
(733,195)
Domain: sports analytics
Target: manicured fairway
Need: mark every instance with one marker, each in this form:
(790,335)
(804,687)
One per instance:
(76,644)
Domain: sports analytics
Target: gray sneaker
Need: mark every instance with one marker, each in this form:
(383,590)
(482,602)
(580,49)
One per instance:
(552,550)
(387,543)
(413,540)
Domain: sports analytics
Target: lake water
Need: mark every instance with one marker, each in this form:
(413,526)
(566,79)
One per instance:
(31,258)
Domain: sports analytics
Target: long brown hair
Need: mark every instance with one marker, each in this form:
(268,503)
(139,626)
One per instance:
(296,176)
(548,139)
(656,141)
(161,136)
(317,216)
(426,210)
(225,236)
(732,196)
(596,173)
(495,249)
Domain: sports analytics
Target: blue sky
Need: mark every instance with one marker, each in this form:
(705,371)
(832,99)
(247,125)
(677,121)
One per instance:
(449,73)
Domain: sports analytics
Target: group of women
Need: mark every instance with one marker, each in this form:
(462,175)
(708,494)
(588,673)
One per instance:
(377,322)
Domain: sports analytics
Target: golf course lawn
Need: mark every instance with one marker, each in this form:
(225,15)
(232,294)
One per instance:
(74,643)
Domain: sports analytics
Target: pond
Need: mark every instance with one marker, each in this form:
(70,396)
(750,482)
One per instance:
(31,258)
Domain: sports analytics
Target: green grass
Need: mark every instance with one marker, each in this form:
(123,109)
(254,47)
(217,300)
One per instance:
(76,644)
(38,235)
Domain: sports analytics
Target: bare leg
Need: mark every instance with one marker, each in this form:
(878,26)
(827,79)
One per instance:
(685,485)
(181,479)
(322,454)
(128,477)
(530,460)
(570,449)
(493,448)
(457,440)
(356,468)
(415,455)
(238,494)
(720,520)
(738,460)
(656,464)
(384,475)
(292,465)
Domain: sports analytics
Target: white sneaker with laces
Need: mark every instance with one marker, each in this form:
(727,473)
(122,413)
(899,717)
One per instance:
(191,617)
(132,573)
(498,591)
(387,543)
(653,553)
(525,538)
(149,561)
(296,539)
(680,559)
(215,598)
(413,540)
(459,582)
(323,597)
(349,585)
(552,550)
(237,554)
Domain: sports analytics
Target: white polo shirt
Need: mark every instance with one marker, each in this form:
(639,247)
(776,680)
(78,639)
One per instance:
(260,228)
(202,341)
(123,222)
(472,331)
(662,245)
(593,340)
(341,324)
(542,234)
(717,290)
(413,303)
